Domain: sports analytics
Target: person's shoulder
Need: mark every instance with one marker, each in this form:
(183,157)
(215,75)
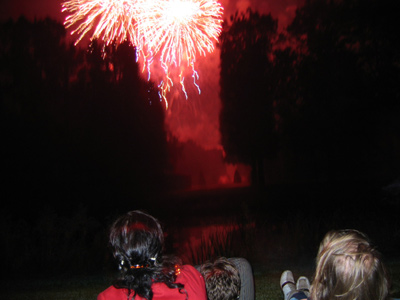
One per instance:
(193,282)
(112,293)
(188,270)
(189,274)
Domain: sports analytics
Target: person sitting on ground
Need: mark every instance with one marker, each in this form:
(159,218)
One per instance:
(137,242)
(222,279)
(245,274)
(348,267)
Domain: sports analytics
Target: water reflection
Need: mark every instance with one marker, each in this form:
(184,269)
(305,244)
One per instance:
(196,244)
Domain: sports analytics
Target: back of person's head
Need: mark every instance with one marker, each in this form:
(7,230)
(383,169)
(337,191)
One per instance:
(137,240)
(137,243)
(222,279)
(349,268)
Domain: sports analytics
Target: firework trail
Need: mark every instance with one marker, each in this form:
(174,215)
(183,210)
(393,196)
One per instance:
(181,29)
(107,20)
(178,31)
(170,32)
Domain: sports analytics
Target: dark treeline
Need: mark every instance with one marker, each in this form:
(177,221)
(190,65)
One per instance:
(318,102)
(81,132)
(76,122)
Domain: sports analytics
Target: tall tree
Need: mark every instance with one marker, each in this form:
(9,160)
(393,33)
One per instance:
(246,118)
(77,127)
(325,92)
(76,122)
(347,76)
(36,68)
(120,124)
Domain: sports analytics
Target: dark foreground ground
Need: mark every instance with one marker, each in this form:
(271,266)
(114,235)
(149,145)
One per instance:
(59,250)
(274,227)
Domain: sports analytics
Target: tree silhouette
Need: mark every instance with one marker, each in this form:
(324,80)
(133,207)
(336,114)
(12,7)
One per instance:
(346,85)
(35,73)
(82,137)
(76,123)
(246,118)
(319,102)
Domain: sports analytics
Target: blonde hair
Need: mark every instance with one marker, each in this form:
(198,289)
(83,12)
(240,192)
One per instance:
(349,268)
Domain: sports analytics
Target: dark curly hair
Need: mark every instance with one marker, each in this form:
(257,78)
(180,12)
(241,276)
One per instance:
(222,279)
(137,242)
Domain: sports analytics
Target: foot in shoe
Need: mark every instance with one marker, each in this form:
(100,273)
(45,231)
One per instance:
(303,284)
(287,284)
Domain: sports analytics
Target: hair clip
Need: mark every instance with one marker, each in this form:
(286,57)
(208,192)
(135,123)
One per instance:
(177,270)
(139,266)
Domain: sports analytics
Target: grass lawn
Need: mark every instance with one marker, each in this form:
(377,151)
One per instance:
(78,288)
(87,287)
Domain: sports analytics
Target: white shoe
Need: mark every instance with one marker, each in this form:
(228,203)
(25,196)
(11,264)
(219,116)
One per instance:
(287,284)
(303,285)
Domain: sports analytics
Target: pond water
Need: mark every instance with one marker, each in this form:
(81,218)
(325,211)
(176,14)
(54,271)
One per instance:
(278,224)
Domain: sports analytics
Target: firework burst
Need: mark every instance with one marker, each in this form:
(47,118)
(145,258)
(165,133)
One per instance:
(170,32)
(179,30)
(107,20)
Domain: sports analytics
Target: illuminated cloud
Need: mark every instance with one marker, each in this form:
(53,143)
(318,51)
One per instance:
(198,117)
(242,5)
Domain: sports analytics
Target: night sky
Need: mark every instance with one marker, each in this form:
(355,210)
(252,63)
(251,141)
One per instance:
(195,119)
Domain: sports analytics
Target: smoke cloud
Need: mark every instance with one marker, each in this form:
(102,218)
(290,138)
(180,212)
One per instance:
(197,118)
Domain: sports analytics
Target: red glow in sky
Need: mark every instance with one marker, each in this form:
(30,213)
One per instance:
(195,118)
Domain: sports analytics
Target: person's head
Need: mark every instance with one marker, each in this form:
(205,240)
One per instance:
(349,268)
(222,279)
(137,240)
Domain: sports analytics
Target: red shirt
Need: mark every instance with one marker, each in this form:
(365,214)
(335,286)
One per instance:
(191,279)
